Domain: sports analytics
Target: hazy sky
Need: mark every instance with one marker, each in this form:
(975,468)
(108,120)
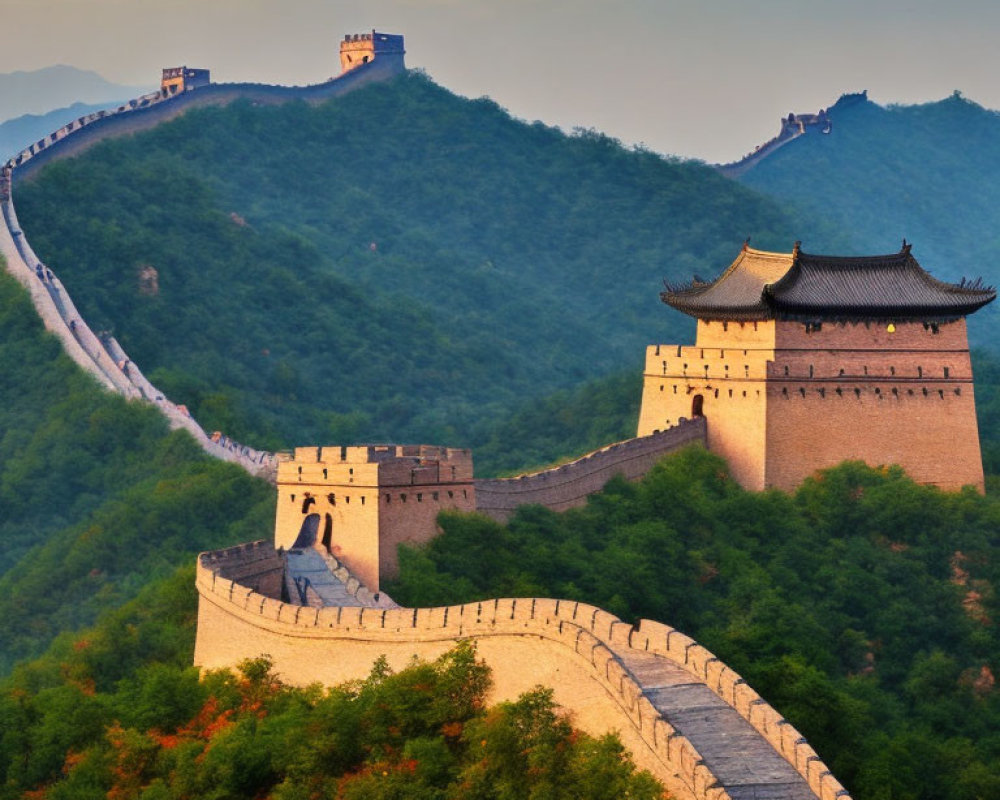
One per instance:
(699,78)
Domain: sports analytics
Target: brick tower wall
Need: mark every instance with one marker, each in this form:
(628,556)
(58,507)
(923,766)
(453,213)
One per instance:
(861,391)
(727,369)
(769,392)
(372,498)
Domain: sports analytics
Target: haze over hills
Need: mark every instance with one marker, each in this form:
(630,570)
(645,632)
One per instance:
(397,264)
(41,90)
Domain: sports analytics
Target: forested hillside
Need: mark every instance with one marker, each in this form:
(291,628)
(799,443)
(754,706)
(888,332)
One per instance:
(862,606)
(119,712)
(397,264)
(96,495)
(929,173)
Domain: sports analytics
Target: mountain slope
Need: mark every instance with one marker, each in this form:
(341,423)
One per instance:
(96,495)
(396,264)
(929,173)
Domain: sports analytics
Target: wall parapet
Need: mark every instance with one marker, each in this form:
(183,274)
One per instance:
(613,651)
(568,485)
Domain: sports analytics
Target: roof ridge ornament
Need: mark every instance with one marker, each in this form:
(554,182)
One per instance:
(795,249)
(906,246)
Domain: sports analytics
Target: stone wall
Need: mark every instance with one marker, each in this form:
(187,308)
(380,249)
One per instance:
(256,565)
(593,661)
(569,485)
(725,384)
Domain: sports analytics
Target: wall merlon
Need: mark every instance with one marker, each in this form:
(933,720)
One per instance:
(648,713)
(831,789)
(806,759)
(791,739)
(715,677)
(504,610)
(703,780)
(545,608)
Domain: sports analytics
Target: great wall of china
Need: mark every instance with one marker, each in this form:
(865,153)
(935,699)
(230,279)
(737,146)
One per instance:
(685,716)
(792,127)
(683,713)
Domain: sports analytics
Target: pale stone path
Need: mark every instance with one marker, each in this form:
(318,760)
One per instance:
(740,758)
(307,573)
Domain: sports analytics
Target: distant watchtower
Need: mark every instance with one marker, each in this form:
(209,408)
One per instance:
(180,79)
(361,48)
(804,361)
(360,503)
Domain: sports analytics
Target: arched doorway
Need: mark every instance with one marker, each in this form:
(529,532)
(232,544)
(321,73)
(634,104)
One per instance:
(328,533)
(697,406)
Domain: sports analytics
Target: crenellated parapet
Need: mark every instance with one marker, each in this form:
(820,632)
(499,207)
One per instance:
(360,503)
(358,49)
(569,485)
(683,713)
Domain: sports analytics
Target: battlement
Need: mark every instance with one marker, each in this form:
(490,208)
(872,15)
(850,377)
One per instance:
(359,503)
(361,48)
(375,465)
(642,681)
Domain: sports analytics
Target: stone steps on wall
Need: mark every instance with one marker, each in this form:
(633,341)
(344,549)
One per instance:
(308,570)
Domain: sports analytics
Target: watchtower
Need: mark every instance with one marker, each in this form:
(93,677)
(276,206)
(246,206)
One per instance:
(360,503)
(361,48)
(803,361)
(180,79)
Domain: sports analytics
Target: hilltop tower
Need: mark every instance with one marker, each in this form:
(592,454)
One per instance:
(359,503)
(361,48)
(803,361)
(176,80)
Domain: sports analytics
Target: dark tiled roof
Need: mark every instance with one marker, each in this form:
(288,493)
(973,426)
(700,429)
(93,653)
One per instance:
(760,285)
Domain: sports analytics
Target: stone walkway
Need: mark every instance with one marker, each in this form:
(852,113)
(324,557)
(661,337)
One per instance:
(746,765)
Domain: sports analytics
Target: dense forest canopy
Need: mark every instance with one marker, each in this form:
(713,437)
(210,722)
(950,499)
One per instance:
(97,496)
(862,606)
(398,264)
(119,712)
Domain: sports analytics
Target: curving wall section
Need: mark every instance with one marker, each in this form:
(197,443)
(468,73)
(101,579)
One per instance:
(150,110)
(104,358)
(683,713)
(568,485)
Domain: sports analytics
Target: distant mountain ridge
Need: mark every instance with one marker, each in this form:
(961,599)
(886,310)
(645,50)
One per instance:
(929,173)
(56,87)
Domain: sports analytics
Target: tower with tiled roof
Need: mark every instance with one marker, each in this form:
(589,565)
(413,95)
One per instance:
(803,361)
